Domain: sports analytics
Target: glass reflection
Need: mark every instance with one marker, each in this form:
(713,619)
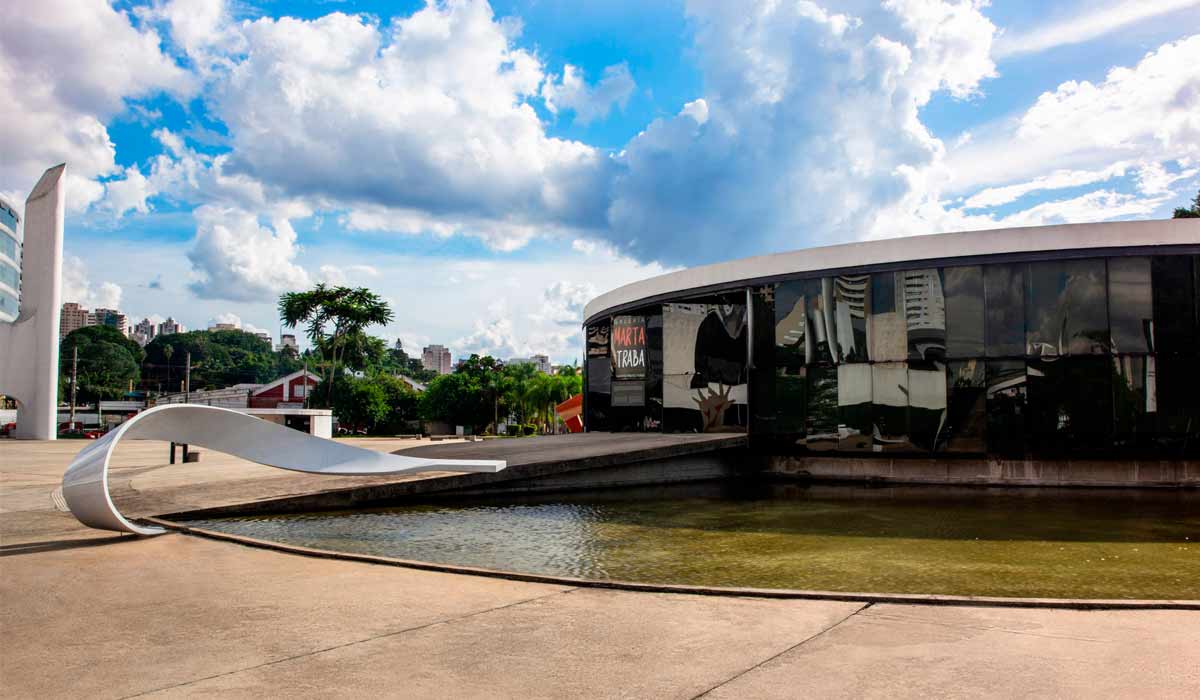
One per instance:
(966,408)
(1066,308)
(889,390)
(964,311)
(1004,295)
(1135,399)
(791,336)
(822,419)
(886,333)
(850,298)
(1130,305)
(1006,407)
(791,399)
(925,314)
(926,403)
(854,407)
(1070,404)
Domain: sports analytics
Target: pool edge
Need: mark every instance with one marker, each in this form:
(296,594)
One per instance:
(732,592)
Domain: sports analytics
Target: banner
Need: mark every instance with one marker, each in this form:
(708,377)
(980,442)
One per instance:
(629,347)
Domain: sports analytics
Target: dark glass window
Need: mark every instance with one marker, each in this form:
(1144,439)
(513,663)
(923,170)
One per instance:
(854,407)
(1006,407)
(822,414)
(822,323)
(1070,405)
(1004,305)
(599,377)
(966,408)
(1174,300)
(1135,400)
(926,403)
(886,333)
(791,326)
(925,314)
(889,390)
(964,311)
(1066,308)
(791,389)
(1130,304)
(851,296)
(1178,424)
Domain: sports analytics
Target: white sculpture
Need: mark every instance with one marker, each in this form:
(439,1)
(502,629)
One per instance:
(85,483)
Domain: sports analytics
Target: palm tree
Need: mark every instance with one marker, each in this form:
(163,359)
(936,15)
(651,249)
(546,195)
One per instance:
(519,377)
(333,315)
(167,352)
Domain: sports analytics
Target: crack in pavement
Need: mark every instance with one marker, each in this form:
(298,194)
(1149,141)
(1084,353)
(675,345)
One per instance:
(314,652)
(793,647)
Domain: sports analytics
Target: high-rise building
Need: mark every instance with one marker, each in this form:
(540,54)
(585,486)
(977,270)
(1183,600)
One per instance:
(287,340)
(224,327)
(170,327)
(436,358)
(540,362)
(112,318)
(263,336)
(144,331)
(74,317)
(10,262)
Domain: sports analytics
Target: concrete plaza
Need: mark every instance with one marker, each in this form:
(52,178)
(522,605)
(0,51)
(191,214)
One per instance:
(86,613)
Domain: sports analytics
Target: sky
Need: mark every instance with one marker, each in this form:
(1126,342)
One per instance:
(489,168)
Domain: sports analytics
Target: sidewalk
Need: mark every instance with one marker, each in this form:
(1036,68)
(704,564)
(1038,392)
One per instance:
(84,613)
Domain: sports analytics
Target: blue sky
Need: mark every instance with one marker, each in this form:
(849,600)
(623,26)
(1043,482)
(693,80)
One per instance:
(490,167)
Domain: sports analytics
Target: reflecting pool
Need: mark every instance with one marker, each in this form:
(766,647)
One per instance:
(962,541)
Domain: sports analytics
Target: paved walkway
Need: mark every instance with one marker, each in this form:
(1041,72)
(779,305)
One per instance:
(83,613)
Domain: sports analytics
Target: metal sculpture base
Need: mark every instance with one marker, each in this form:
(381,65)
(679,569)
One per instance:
(85,483)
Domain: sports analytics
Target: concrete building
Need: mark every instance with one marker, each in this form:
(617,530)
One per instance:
(29,324)
(144,331)
(288,340)
(540,362)
(437,358)
(224,327)
(111,318)
(10,262)
(170,327)
(74,317)
(1049,355)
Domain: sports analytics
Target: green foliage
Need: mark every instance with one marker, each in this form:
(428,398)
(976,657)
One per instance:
(335,319)
(457,399)
(107,364)
(219,359)
(360,403)
(402,403)
(1189,213)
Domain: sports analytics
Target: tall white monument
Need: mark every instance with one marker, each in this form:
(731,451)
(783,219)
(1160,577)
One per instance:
(29,344)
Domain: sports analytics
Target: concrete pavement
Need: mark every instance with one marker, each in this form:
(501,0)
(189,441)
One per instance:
(83,613)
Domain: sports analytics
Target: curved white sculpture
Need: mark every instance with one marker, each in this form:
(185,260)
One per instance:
(85,483)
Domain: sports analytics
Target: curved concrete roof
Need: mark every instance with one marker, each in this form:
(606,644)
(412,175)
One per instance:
(911,249)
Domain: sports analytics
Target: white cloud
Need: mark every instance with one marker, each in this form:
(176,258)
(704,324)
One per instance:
(236,321)
(236,258)
(806,125)
(563,302)
(129,193)
(66,68)
(355,275)
(1089,22)
(589,103)
(77,287)
(1059,179)
(423,123)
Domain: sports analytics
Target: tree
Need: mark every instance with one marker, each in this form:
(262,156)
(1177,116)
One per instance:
(402,403)
(219,359)
(332,316)
(1189,213)
(360,404)
(519,378)
(457,399)
(108,366)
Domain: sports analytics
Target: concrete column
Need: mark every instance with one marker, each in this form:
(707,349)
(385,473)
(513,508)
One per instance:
(29,346)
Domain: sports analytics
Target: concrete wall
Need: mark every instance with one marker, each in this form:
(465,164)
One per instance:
(1042,472)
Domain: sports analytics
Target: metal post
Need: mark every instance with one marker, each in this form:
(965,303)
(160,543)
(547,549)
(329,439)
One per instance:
(187,382)
(74,383)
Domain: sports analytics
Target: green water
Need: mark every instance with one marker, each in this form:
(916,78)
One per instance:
(998,542)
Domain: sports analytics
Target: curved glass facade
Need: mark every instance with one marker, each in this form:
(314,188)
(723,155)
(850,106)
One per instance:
(1049,358)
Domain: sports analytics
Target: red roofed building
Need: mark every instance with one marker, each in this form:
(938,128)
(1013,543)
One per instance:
(285,392)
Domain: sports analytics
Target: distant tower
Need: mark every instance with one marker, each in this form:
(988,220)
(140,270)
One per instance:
(29,342)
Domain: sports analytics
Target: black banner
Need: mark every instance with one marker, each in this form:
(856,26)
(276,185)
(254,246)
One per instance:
(629,347)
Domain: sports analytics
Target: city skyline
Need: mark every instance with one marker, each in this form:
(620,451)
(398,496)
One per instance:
(570,150)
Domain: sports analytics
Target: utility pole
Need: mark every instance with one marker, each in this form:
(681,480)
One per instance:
(305,404)
(187,382)
(74,383)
